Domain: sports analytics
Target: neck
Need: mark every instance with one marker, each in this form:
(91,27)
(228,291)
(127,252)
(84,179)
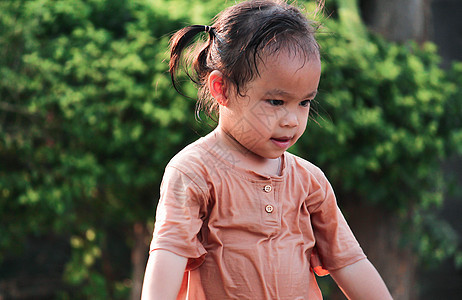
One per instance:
(245,158)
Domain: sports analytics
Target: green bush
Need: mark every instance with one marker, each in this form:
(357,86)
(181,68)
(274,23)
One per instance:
(386,118)
(88,121)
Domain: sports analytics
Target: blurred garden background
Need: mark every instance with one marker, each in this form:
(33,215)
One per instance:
(89,119)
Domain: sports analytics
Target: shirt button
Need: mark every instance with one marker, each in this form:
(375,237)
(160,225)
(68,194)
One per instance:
(269,208)
(267,188)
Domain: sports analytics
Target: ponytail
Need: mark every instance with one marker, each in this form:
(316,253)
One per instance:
(179,42)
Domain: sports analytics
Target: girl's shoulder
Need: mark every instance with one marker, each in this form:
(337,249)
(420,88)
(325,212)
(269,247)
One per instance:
(192,153)
(301,166)
(194,156)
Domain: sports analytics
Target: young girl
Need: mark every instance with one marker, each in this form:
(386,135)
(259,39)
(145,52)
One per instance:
(238,216)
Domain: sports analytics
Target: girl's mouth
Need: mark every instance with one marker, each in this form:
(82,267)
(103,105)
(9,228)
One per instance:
(282,142)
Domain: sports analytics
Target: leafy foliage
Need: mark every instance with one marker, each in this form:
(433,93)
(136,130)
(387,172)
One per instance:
(387,116)
(88,122)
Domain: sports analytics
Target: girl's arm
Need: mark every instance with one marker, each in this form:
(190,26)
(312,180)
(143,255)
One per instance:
(163,276)
(361,281)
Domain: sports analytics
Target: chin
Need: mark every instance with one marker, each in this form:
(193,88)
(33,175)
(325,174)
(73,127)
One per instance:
(270,154)
(274,156)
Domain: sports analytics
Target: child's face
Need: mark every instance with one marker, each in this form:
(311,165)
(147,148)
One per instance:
(273,114)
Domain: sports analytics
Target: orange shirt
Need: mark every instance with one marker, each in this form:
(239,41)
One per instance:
(248,235)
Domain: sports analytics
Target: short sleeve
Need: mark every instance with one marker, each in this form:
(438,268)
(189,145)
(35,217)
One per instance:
(336,245)
(179,216)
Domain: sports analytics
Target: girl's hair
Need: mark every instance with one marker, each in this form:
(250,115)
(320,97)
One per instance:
(239,39)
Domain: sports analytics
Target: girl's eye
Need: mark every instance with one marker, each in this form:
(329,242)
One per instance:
(305,103)
(275,102)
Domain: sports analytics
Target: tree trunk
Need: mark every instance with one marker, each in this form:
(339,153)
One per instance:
(139,258)
(398,20)
(380,234)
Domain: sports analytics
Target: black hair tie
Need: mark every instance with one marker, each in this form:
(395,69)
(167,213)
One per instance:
(211,31)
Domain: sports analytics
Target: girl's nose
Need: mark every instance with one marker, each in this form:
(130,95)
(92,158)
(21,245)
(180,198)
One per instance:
(289,120)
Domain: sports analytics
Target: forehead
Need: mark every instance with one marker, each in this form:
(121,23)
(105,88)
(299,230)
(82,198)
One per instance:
(293,55)
(288,74)
(288,64)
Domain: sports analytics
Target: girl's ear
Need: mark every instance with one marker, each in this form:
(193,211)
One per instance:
(218,88)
